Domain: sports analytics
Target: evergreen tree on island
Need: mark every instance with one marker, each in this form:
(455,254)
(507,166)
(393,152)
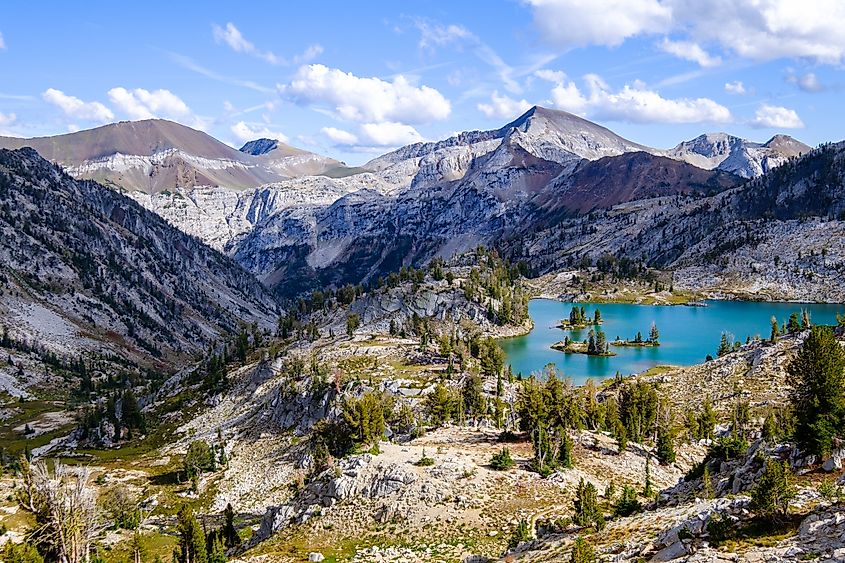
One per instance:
(654,335)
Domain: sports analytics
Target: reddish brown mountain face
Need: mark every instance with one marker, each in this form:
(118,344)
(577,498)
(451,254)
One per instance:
(603,183)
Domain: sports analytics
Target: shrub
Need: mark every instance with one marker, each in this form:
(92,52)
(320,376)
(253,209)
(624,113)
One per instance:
(522,533)
(628,503)
(424,461)
(502,461)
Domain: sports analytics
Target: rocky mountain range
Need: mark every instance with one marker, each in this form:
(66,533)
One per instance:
(297,220)
(85,268)
(156,155)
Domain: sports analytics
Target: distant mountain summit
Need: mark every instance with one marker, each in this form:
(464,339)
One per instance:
(739,156)
(155,155)
(259,146)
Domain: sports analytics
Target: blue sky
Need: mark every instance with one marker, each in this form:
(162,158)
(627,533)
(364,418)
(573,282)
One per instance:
(355,79)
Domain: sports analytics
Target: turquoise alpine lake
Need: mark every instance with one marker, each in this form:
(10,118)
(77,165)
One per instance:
(687,334)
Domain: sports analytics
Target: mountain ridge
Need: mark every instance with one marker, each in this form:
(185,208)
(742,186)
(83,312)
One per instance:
(103,273)
(156,155)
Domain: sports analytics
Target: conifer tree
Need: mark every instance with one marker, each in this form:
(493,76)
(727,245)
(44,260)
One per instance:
(192,546)
(565,458)
(230,534)
(654,334)
(648,491)
(582,552)
(628,502)
(665,444)
(793,325)
(601,343)
(775,330)
(774,490)
(818,396)
(707,483)
(522,533)
(591,343)
(586,506)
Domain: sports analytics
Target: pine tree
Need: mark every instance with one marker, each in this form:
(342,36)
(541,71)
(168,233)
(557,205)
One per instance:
(586,506)
(654,335)
(565,458)
(597,317)
(774,490)
(793,325)
(628,502)
(725,345)
(192,546)
(591,343)
(665,445)
(230,534)
(706,421)
(707,483)
(601,343)
(818,396)
(775,330)
(522,533)
(621,437)
(216,551)
(648,491)
(475,404)
(582,552)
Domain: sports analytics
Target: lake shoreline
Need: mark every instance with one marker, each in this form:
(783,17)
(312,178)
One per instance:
(687,334)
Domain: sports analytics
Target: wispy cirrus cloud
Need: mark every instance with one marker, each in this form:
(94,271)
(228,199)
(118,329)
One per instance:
(189,64)
(230,35)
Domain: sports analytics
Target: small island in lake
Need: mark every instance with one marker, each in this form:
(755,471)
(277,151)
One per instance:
(578,319)
(638,341)
(594,345)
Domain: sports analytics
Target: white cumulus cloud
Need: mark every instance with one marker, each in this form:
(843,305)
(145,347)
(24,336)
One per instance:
(389,134)
(776,117)
(633,103)
(577,23)
(145,104)
(340,136)
(366,100)
(503,107)
(76,108)
(735,87)
(249,132)
(690,51)
(2,42)
(760,30)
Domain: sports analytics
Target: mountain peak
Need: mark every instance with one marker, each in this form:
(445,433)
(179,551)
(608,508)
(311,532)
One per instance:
(259,146)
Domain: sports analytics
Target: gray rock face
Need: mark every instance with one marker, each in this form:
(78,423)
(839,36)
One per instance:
(112,267)
(835,461)
(739,156)
(351,480)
